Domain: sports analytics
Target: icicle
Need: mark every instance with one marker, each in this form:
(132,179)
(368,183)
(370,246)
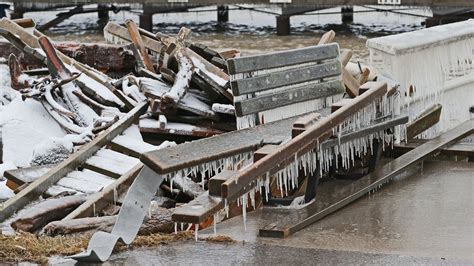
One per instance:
(196,230)
(175,228)
(215,224)
(244,210)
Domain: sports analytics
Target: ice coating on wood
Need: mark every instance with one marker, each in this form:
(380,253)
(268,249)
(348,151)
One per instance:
(183,77)
(432,65)
(52,151)
(223,108)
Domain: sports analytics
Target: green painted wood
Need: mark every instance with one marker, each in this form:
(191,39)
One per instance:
(283,59)
(285,78)
(290,96)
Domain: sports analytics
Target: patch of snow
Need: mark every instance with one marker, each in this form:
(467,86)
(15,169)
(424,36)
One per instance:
(201,67)
(5,166)
(5,192)
(223,108)
(7,94)
(24,125)
(133,132)
(52,151)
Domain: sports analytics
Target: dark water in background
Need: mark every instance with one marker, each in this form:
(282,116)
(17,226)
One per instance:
(249,31)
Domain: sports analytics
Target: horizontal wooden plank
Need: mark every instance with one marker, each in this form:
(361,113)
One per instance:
(285,78)
(177,129)
(284,58)
(456,149)
(206,150)
(27,175)
(287,97)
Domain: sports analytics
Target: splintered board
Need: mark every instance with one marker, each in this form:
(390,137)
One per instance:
(217,147)
(177,129)
(332,202)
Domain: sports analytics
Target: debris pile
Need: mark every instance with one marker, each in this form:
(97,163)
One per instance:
(75,120)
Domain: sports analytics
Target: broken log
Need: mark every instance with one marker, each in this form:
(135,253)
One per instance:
(182,80)
(157,221)
(38,215)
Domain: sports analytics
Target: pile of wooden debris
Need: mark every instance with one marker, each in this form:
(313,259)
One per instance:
(73,178)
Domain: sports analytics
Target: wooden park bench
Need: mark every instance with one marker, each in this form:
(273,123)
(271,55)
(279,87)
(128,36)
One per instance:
(283,101)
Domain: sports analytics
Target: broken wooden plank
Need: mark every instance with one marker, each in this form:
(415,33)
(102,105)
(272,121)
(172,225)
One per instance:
(327,37)
(110,163)
(39,186)
(114,32)
(362,186)
(131,146)
(27,175)
(424,121)
(177,129)
(138,41)
(352,84)
(38,215)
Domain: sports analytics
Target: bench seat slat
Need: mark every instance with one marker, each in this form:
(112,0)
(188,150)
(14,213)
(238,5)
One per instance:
(302,93)
(284,58)
(285,78)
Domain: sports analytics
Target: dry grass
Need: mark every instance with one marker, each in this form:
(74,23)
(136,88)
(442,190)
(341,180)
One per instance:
(32,248)
(220,239)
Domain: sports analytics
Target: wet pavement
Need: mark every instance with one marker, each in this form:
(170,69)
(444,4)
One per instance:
(425,216)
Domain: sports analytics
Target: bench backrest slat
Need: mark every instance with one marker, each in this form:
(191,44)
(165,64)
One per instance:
(266,82)
(285,78)
(283,58)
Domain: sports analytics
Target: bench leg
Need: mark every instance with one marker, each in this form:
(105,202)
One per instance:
(313,181)
(376,155)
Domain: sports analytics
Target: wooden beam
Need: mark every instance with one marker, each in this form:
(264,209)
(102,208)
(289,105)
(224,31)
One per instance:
(456,149)
(138,41)
(424,121)
(362,186)
(39,186)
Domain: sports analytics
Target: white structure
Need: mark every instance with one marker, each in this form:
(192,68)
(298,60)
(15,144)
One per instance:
(438,63)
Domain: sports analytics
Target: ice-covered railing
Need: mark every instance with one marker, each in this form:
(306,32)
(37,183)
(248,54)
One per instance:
(432,65)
